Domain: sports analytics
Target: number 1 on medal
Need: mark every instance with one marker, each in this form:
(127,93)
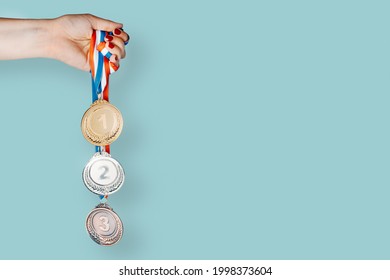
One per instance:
(102,118)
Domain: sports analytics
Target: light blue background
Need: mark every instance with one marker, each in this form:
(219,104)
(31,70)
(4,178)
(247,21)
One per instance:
(253,130)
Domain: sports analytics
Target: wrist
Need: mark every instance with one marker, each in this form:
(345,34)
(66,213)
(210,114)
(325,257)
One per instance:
(38,37)
(47,38)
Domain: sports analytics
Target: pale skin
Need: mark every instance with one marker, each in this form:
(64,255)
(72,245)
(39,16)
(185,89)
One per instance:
(65,38)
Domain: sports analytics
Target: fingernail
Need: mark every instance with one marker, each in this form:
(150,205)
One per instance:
(117,32)
(111,45)
(109,38)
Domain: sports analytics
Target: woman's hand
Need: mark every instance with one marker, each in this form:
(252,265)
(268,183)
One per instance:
(72,34)
(66,38)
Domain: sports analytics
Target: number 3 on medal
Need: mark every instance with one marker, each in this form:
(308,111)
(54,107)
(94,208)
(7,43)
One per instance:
(105,225)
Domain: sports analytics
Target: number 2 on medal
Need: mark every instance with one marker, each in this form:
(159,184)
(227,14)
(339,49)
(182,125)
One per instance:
(105,225)
(102,118)
(104,174)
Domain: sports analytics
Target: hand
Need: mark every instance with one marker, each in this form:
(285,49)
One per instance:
(72,34)
(66,38)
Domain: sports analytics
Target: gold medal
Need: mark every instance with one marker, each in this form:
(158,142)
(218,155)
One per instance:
(102,123)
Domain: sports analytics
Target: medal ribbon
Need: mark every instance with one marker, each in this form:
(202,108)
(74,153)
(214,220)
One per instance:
(101,68)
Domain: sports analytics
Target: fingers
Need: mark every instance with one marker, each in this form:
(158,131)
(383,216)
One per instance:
(116,51)
(98,23)
(115,45)
(121,34)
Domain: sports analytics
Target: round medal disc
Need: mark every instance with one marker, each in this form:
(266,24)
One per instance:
(103,175)
(104,226)
(102,123)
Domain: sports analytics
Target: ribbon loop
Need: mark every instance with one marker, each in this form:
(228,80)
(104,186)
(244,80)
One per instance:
(101,66)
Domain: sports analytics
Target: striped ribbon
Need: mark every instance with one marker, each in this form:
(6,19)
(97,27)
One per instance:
(101,68)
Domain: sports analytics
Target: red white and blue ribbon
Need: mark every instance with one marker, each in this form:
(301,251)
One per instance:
(101,69)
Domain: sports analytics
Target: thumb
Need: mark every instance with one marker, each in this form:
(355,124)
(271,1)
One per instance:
(98,23)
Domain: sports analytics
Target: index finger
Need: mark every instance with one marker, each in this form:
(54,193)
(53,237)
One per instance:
(120,33)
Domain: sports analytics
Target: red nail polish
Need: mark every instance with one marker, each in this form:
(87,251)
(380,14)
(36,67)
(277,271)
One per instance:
(116,58)
(109,38)
(111,45)
(117,32)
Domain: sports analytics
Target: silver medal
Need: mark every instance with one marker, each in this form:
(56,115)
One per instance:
(103,175)
(104,226)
